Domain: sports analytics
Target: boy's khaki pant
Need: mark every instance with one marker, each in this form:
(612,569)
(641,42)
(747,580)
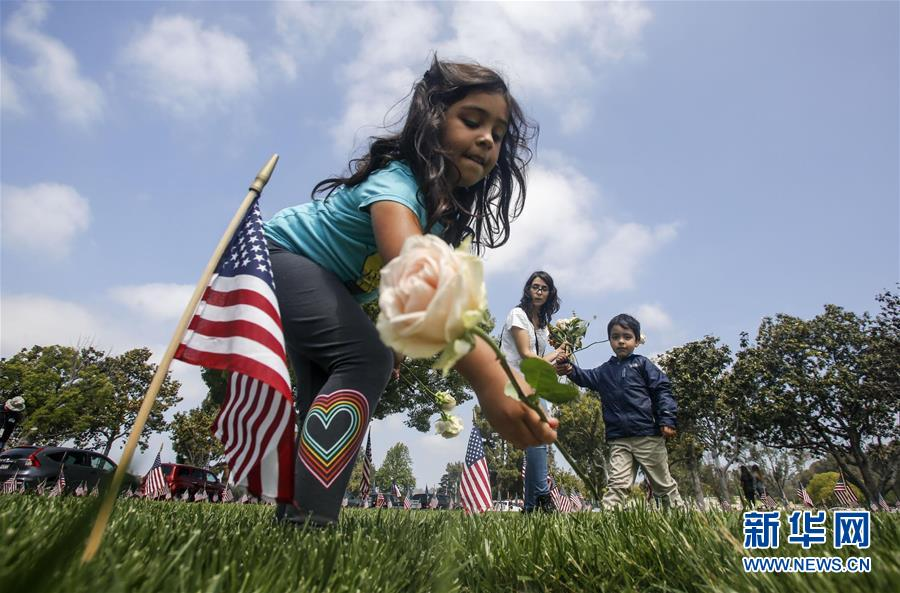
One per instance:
(650,454)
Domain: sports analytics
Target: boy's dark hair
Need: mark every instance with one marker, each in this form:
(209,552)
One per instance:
(481,211)
(550,306)
(625,320)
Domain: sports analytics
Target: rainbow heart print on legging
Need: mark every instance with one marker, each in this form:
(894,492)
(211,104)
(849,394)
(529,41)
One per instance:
(332,432)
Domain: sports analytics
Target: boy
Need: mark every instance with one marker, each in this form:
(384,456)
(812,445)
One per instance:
(639,412)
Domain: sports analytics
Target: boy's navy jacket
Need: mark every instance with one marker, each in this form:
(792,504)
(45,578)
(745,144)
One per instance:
(636,395)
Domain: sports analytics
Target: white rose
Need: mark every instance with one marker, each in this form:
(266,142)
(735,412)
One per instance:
(450,427)
(444,400)
(430,295)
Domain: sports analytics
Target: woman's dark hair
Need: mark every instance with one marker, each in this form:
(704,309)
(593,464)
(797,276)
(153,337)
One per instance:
(550,306)
(482,211)
(625,320)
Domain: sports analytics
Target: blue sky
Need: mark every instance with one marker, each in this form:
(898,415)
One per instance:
(700,165)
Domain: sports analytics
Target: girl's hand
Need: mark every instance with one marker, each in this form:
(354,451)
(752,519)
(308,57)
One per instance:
(667,431)
(514,420)
(517,423)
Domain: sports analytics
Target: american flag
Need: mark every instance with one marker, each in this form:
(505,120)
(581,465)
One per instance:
(475,485)
(60,485)
(433,503)
(201,496)
(575,499)
(844,494)
(155,482)
(40,488)
(523,469)
(395,489)
(560,500)
(725,504)
(237,327)
(227,496)
(9,486)
(883,503)
(804,496)
(366,482)
(185,495)
(81,490)
(379,500)
(769,501)
(406,501)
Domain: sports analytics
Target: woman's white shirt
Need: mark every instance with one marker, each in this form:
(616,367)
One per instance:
(538,340)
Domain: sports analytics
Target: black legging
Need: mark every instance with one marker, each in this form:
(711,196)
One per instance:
(341,367)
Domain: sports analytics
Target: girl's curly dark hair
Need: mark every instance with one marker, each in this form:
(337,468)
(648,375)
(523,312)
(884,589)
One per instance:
(550,306)
(482,211)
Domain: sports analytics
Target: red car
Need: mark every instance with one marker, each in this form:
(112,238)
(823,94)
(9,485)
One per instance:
(187,478)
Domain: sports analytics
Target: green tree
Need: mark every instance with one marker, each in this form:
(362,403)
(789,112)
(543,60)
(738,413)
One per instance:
(827,386)
(193,440)
(450,480)
(192,437)
(58,384)
(581,431)
(112,414)
(821,489)
(397,468)
(708,410)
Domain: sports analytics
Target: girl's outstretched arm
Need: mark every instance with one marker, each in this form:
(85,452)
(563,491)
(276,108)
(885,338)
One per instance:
(516,422)
(392,224)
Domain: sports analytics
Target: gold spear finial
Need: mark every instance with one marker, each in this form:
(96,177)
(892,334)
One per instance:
(262,178)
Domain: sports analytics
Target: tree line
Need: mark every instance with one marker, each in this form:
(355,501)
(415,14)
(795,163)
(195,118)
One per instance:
(821,391)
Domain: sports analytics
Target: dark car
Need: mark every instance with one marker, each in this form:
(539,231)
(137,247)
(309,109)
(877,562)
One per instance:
(186,478)
(32,466)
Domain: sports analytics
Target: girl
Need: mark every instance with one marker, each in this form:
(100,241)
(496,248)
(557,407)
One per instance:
(526,335)
(456,169)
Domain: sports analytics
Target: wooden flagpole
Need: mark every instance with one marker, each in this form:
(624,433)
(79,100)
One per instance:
(109,498)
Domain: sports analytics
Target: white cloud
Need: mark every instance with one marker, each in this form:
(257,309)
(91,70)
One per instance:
(188,69)
(44,218)
(54,70)
(156,302)
(552,51)
(10,96)
(653,317)
(563,229)
(32,319)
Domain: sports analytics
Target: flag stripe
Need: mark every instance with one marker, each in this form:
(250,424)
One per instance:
(224,329)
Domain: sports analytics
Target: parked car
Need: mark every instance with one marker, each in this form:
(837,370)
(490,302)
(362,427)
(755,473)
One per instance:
(182,478)
(508,506)
(32,466)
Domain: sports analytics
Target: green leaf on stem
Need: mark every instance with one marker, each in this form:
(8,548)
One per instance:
(541,375)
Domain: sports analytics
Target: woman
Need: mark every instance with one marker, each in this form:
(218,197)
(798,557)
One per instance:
(748,486)
(526,334)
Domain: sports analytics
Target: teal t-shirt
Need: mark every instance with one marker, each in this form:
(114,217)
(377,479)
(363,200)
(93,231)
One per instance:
(336,232)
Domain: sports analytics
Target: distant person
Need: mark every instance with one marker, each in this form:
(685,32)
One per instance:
(10,418)
(748,486)
(638,409)
(759,484)
(526,334)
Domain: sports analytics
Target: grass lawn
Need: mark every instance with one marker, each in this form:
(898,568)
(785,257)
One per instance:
(170,547)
